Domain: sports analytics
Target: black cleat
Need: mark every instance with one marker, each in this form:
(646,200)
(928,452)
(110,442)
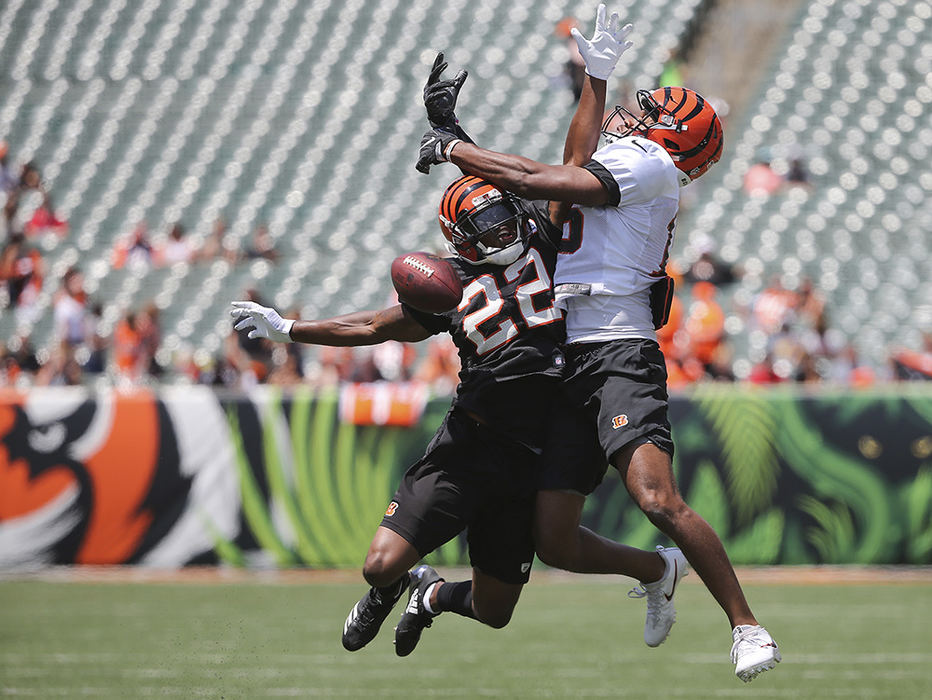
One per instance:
(367,616)
(415,617)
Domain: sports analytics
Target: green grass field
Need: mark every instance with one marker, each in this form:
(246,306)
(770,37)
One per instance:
(578,638)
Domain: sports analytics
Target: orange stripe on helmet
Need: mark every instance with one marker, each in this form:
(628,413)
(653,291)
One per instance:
(454,193)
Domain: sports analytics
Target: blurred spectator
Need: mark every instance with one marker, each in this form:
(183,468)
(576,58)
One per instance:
(709,268)
(29,177)
(336,365)
(760,180)
(810,304)
(762,372)
(178,249)
(22,270)
(575,66)
(394,361)
(17,361)
(61,369)
(134,250)
(440,368)
(286,367)
(806,370)
(8,181)
(705,323)
(797,175)
(150,336)
(96,362)
(914,364)
(45,219)
(262,245)
(20,358)
(9,368)
(70,310)
(364,368)
(773,307)
(246,365)
(215,247)
(670,338)
(127,349)
(720,368)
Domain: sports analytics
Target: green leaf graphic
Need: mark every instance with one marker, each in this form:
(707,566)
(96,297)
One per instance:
(760,543)
(745,428)
(707,497)
(834,537)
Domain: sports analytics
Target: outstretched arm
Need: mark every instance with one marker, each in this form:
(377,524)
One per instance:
(600,54)
(529,178)
(562,185)
(582,139)
(359,328)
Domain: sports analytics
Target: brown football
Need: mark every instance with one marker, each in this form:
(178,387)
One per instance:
(426,282)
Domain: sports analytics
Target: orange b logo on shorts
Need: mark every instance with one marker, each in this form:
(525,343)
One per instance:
(390,511)
(619,421)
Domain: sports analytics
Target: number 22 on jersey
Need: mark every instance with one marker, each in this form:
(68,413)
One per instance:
(506,329)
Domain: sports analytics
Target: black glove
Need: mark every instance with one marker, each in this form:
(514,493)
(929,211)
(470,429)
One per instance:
(435,148)
(440,95)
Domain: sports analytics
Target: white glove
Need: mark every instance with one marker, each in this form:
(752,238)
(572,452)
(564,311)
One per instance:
(265,322)
(602,52)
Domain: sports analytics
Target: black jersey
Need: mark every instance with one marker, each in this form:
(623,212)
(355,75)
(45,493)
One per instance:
(508,333)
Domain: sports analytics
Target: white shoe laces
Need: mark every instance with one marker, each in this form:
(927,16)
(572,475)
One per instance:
(655,600)
(747,636)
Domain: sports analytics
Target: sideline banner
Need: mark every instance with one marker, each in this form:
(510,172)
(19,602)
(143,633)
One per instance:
(185,476)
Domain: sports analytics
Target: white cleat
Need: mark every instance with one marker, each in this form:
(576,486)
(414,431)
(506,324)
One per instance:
(753,652)
(661,613)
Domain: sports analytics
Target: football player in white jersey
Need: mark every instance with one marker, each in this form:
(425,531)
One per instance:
(611,280)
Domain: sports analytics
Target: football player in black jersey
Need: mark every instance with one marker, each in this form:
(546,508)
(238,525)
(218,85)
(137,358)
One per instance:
(479,471)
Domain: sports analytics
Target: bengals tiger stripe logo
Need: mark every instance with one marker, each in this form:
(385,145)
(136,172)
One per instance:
(390,511)
(619,421)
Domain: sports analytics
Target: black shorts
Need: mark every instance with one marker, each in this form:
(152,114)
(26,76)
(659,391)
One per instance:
(475,479)
(615,393)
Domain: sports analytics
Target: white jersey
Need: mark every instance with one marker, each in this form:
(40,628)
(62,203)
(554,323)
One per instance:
(620,248)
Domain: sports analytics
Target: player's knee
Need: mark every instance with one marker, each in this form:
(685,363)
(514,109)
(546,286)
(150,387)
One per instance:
(553,552)
(494,617)
(663,509)
(380,569)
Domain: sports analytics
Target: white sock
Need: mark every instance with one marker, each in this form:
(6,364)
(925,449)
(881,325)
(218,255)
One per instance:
(427,594)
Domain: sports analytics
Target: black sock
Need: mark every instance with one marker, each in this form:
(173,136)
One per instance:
(456,598)
(394,590)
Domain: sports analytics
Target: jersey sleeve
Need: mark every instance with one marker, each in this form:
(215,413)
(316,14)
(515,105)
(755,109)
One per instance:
(638,175)
(607,180)
(435,323)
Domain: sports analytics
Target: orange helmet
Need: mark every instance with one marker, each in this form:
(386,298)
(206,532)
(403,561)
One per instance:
(680,120)
(482,223)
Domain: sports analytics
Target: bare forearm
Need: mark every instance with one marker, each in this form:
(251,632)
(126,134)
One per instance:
(360,328)
(582,139)
(512,172)
(348,330)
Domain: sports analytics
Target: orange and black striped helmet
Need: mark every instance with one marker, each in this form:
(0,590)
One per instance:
(482,223)
(680,120)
